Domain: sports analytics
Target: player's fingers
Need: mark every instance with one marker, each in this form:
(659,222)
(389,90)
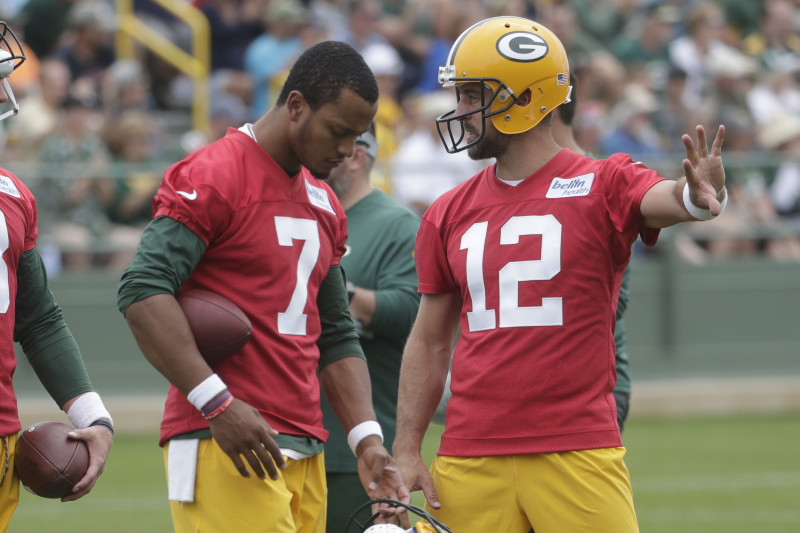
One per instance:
(256,461)
(405,522)
(239,464)
(688,171)
(716,148)
(88,480)
(430,493)
(691,152)
(376,472)
(269,459)
(702,142)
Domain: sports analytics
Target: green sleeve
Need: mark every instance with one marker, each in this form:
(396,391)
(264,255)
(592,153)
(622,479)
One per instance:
(43,334)
(165,258)
(624,293)
(396,296)
(620,337)
(338,338)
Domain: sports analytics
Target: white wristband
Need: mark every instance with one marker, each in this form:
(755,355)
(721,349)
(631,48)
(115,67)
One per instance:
(701,213)
(86,409)
(206,391)
(364,429)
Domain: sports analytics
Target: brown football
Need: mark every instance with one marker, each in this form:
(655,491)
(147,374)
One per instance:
(48,462)
(219,327)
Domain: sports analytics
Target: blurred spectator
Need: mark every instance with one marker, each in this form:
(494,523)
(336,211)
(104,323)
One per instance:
(43,24)
(588,125)
(74,190)
(601,19)
(421,167)
(448,20)
(702,46)
(137,168)
(742,16)
(88,51)
(732,77)
(234,25)
(126,86)
(777,92)
(673,117)
(645,43)
(274,50)
(562,19)
(386,65)
(42,109)
(777,38)
(633,131)
(362,24)
(330,17)
(227,111)
(782,134)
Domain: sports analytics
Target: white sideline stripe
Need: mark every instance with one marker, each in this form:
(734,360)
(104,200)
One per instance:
(680,397)
(95,504)
(131,413)
(714,396)
(718,483)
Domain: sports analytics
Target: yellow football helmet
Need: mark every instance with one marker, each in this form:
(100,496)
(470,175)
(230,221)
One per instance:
(508,56)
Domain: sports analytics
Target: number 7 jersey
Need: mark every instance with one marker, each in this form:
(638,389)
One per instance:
(539,267)
(271,241)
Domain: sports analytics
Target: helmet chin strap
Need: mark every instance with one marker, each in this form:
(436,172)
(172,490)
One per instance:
(14,106)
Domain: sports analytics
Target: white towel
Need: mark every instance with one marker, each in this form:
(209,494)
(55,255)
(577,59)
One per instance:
(182,469)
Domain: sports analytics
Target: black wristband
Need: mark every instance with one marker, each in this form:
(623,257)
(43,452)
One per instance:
(105,423)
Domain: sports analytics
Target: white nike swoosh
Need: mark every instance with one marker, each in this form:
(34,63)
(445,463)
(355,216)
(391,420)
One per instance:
(189,195)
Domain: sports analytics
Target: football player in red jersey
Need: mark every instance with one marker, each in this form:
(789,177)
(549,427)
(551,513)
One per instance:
(29,315)
(528,256)
(250,217)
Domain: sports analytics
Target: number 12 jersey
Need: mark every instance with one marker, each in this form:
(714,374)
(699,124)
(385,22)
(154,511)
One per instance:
(539,267)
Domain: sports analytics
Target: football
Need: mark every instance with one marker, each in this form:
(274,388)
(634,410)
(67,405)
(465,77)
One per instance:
(219,327)
(48,462)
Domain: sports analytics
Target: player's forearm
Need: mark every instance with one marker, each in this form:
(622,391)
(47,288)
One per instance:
(362,306)
(422,379)
(347,388)
(164,337)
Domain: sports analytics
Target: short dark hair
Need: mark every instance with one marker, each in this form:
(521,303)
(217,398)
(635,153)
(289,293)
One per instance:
(324,70)
(566,111)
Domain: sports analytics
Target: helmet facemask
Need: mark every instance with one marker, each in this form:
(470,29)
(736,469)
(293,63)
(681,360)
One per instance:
(500,101)
(11,57)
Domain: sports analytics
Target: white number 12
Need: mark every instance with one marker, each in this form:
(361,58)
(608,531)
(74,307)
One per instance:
(550,313)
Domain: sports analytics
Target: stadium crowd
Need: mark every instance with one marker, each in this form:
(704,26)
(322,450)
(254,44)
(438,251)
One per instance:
(98,131)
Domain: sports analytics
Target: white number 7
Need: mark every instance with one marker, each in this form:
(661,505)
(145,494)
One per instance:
(293,320)
(550,313)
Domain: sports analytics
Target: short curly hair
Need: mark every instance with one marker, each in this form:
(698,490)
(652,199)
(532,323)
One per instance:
(324,70)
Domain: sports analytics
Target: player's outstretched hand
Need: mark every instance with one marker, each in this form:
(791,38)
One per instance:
(98,439)
(704,172)
(242,432)
(418,477)
(381,478)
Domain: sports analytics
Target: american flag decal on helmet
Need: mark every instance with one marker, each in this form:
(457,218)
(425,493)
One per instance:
(562,78)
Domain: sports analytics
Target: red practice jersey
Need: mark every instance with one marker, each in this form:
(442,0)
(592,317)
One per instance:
(271,240)
(539,267)
(18,233)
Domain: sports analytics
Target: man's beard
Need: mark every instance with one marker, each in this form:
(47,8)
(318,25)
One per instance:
(492,145)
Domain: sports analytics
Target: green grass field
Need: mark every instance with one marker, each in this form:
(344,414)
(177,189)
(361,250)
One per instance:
(700,475)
